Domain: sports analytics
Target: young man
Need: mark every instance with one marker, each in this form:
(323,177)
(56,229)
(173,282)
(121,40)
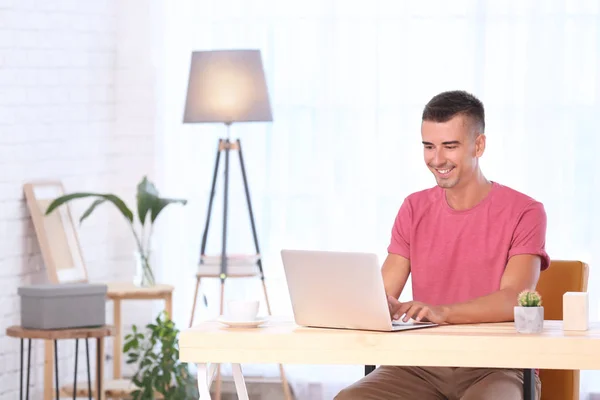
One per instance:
(470,244)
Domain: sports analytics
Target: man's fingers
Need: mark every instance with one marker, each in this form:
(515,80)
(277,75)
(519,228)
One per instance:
(411,312)
(401,308)
(393,305)
(404,307)
(423,314)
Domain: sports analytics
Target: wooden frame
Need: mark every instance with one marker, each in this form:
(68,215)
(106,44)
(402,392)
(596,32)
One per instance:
(56,233)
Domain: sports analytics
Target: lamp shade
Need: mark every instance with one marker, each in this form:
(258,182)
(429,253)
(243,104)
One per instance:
(227,86)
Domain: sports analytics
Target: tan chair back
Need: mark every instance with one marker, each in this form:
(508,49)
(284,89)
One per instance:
(562,276)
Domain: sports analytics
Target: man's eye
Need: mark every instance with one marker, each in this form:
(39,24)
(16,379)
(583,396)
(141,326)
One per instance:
(450,147)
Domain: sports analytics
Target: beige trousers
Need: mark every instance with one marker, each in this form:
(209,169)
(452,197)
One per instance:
(443,383)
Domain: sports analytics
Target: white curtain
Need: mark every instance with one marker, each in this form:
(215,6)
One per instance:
(348,81)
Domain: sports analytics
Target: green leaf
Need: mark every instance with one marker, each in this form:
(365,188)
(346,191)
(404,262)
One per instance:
(120,204)
(90,209)
(129,345)
(161,203)
(147,196)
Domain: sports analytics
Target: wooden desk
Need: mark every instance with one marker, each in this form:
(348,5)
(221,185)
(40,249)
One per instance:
(482,345)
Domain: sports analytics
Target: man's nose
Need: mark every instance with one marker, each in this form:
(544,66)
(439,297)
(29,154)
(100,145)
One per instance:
(438,158)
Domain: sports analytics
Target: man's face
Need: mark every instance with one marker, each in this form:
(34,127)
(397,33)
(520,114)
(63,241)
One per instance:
(451,150)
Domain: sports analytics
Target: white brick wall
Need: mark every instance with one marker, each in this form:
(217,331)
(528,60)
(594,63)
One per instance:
(77,103)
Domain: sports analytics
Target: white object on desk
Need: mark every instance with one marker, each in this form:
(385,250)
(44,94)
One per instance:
(242,310)
(251,323)
(575,311)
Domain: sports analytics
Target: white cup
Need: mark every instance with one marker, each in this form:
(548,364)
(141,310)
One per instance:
(242,310)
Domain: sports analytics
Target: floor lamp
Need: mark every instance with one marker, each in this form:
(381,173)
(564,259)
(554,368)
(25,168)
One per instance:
(228,86)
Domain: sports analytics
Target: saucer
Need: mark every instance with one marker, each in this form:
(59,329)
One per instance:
(255,323)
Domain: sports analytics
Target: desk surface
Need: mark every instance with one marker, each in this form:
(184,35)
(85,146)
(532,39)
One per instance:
(128,291)
(478,345)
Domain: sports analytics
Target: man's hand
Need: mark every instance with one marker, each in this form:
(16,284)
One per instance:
(418,311)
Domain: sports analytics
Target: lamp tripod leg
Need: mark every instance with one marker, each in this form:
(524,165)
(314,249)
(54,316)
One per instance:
(225,204)
(211,198)
(218,378)
(250,211)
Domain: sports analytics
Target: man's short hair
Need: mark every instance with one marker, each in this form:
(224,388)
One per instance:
(446,105)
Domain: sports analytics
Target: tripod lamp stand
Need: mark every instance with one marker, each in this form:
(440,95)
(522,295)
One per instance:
(228,86)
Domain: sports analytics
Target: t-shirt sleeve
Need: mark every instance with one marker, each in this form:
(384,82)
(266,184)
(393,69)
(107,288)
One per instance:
(400,241)
(530,234)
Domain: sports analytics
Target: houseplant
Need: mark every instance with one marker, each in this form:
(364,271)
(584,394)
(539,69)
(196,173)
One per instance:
(156,355)
(149,205)
(529,313)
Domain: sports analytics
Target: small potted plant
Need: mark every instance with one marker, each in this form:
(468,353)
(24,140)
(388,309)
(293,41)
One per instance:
(529,313)
(159,372)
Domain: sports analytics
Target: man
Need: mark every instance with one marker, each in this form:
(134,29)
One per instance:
(471,246)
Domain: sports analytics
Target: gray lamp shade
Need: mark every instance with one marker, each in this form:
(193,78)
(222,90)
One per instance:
(227,86)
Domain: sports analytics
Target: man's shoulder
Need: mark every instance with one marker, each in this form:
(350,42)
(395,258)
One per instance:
(510,196)
(428,194)
(424,198)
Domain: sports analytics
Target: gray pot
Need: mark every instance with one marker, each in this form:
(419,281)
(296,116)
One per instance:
(529,319)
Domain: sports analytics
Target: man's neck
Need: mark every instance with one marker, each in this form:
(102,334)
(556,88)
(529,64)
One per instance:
(469,195)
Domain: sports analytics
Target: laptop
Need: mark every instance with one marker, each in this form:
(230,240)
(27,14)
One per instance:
(339,290)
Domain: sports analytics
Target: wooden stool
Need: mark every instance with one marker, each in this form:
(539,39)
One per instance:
(118,291)
(98,333)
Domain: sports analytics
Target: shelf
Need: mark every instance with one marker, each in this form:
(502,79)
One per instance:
(232,259)
(233,271)
(238,266)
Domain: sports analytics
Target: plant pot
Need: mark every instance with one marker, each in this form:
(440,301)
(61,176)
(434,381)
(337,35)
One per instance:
(144,275)
(529,319)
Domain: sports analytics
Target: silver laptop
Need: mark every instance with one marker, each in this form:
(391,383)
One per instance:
(339,290)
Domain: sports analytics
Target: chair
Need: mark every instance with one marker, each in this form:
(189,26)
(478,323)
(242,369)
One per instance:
(562,276)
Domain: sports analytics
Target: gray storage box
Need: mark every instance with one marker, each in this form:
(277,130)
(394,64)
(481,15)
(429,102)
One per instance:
(60,306)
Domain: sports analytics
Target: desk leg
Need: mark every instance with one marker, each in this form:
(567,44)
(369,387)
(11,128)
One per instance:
(48,368)
(117,339)
(169,305)
(100,369)
(204,381)
(75,374)
(240,384)
(28,366)
(529,384)
(56,369)
(89,374)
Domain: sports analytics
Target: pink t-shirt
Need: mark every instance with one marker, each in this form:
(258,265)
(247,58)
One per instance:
(455,255)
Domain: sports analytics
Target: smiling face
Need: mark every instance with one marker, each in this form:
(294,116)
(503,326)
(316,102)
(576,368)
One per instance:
(452,150)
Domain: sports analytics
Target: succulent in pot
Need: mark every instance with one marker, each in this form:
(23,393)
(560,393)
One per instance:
(529,313)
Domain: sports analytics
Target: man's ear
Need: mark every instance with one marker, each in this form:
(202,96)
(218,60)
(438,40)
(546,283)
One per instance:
(479,145)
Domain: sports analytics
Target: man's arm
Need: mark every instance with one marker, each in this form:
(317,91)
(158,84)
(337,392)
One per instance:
(522,273)
(395,271)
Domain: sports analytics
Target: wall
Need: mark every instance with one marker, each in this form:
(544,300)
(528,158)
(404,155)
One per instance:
(77,103)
